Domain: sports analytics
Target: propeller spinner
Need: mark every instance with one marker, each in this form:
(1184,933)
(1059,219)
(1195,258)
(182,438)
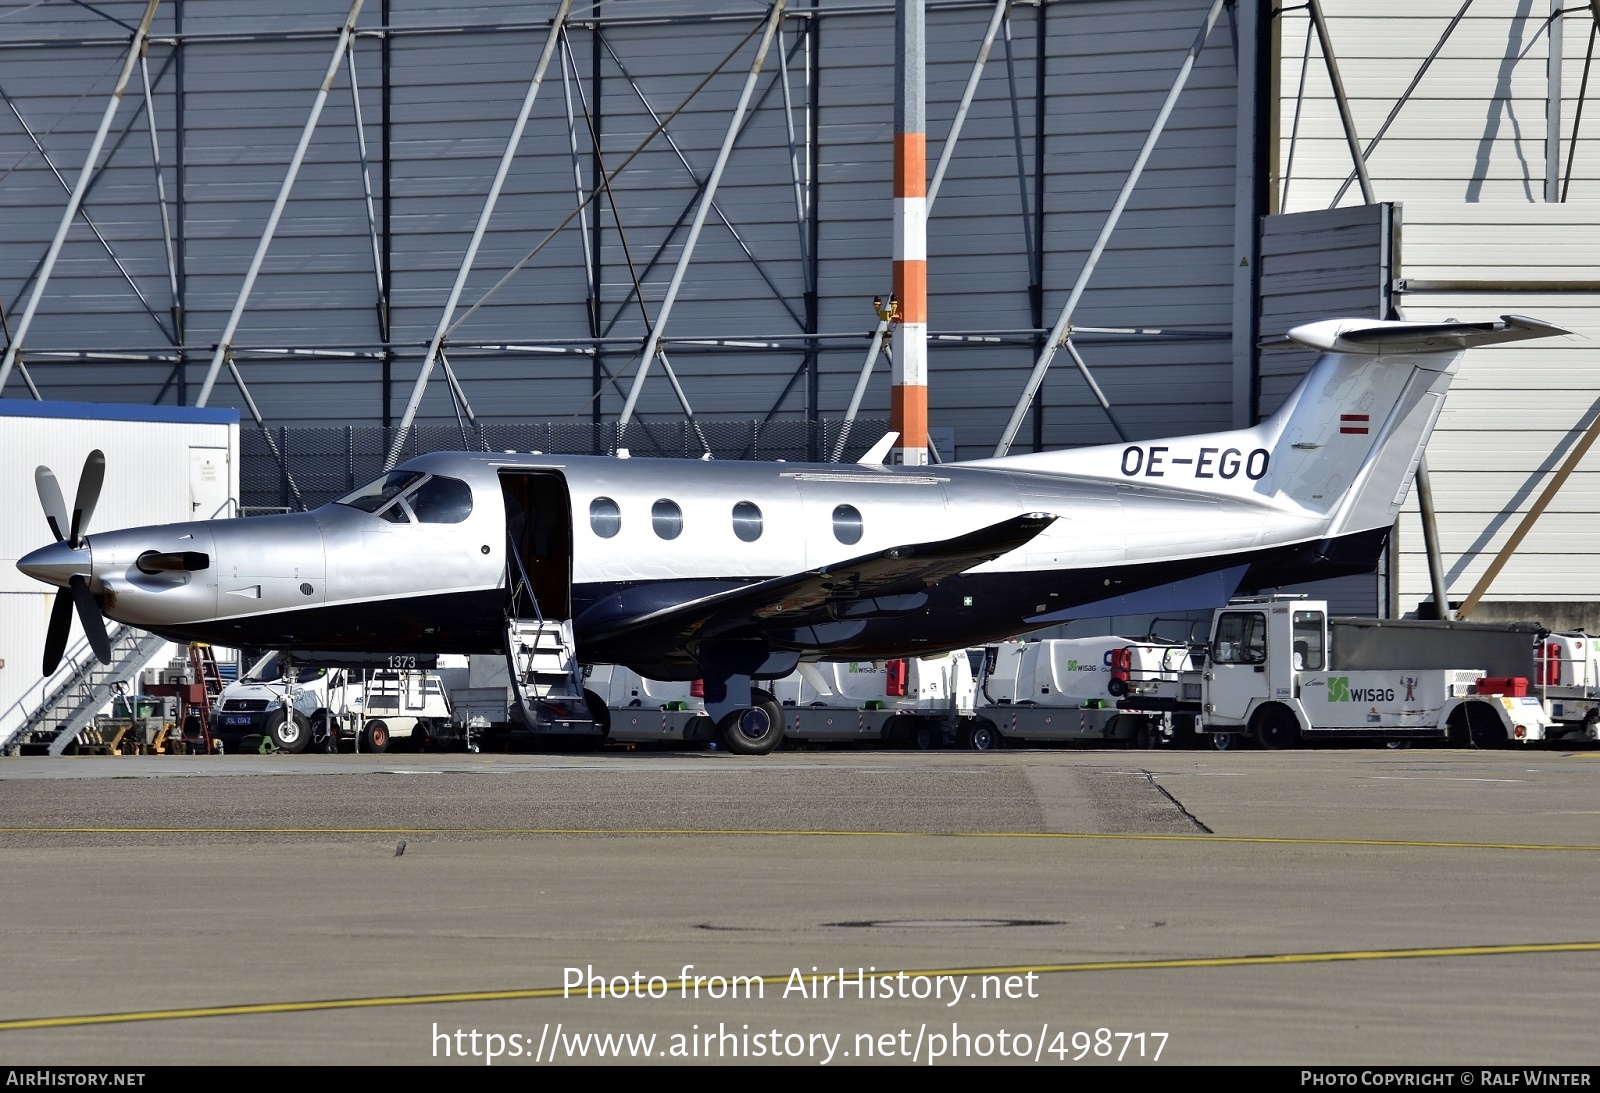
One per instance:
(67,562)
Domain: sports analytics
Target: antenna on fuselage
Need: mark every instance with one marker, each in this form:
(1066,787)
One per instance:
(879,451)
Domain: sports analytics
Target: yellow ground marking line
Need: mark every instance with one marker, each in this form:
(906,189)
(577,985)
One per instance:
(1273,959)
(797,833)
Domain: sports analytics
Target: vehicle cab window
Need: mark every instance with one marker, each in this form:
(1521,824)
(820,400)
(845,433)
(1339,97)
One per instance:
(1241,638)
(1309,640)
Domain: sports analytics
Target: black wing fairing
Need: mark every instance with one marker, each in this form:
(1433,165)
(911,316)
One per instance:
(814,607)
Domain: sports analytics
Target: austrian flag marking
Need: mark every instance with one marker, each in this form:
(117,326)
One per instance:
(1352,423)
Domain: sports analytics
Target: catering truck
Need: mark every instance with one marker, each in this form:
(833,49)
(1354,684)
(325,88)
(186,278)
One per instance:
(1064,690)
(1279,671)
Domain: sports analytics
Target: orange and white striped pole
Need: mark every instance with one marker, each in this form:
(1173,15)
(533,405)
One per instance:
(908,398)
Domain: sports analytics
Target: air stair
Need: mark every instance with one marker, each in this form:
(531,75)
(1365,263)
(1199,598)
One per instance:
(545,674)
(80,689)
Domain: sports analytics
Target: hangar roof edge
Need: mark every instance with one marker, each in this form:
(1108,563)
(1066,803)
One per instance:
(119,411)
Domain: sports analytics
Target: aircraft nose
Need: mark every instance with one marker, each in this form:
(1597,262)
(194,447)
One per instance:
(55,564)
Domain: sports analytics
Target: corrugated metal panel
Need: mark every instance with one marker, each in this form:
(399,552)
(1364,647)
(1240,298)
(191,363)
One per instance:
(1473,130)
(1512,416)
(1318,265)
(1467,157)
(1108,63)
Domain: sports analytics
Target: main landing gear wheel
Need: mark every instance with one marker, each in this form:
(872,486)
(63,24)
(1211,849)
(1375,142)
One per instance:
(755,730)
(375,737)
(289,731)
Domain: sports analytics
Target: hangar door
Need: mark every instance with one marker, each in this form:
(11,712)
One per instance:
(1333,263)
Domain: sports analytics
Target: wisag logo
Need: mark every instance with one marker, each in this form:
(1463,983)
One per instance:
(1339,690)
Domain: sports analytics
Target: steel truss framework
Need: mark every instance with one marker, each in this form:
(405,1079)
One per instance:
(781,57)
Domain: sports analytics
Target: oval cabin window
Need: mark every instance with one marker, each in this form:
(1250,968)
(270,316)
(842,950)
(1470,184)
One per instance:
(747,521)
(667,518)
(605,518)
(847,524)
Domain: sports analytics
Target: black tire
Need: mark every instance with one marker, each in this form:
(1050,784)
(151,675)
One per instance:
(1144,735)
(1117,688)
(926,737)
(422,737)
(754,730)
(1226,741)
(599,712)
(1475,725)
(1276,728)
(982,735)
(375,737)
(289,731)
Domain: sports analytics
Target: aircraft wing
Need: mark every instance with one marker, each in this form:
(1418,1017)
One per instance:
(872,585)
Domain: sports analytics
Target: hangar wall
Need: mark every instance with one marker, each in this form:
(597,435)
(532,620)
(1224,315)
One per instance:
(1068,95)
(1494,169)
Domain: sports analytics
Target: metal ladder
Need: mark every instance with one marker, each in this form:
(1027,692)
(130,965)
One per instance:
(203,670)
(544,669)
(89,685)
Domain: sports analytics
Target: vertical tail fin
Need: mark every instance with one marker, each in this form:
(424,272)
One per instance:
(1341,451)
(1348,440)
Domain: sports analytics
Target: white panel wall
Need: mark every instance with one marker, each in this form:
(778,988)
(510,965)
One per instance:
(1466,158)
(147,482)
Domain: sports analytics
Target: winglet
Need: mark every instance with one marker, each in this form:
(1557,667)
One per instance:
(879,451)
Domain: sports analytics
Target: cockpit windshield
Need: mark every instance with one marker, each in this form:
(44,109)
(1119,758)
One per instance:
(374,495)
(403,496)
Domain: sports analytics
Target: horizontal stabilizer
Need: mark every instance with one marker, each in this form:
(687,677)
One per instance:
(1371,336)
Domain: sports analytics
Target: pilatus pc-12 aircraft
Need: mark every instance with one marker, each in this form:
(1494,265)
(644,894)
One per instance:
(732,572)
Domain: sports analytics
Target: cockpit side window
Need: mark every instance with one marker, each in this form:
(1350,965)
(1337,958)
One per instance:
(441,500)
(374,495)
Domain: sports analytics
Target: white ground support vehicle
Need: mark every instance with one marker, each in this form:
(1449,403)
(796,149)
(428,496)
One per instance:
(917,702)
(369,707)
(1567,679)
(644,710)
(1279,671)
(922,702)
(1065,690)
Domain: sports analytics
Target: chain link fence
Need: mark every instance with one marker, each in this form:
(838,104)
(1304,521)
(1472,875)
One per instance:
(313,466)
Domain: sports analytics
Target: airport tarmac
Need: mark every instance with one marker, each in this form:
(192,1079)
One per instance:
(1305,908)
